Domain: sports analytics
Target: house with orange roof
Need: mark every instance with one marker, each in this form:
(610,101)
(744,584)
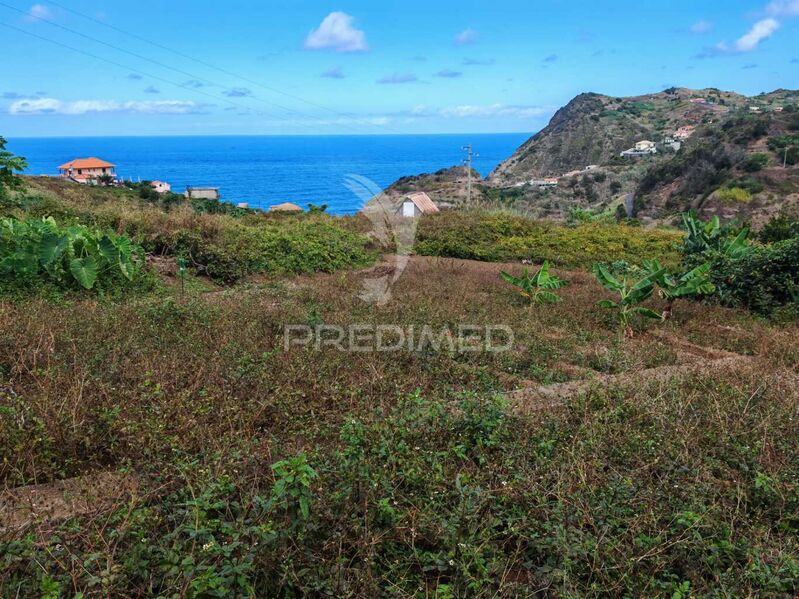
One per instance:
(87,170)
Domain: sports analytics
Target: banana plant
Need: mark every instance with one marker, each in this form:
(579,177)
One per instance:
(631,295)
(712,237)
(694,283)
(536,288)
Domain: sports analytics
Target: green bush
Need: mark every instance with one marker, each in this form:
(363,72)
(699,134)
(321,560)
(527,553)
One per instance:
(288,246)
(505,237)
(762,279)
(779,228)
(733,195)
(755,162)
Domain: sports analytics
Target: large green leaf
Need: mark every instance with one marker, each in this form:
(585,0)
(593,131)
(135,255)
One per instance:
(606,279)
(84,270)
(51,248)
(646,312)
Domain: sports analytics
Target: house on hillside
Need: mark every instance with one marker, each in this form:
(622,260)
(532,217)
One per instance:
(416,204)
(642,148)
(684,132)
(160,186)
(202,193)
(285,207)
(87,170)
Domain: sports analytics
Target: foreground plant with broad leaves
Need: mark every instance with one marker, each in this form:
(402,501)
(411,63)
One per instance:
(537,288)
(631,294)
(36,250)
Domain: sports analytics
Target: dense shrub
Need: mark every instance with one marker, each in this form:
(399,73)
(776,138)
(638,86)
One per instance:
(762,279)
(755,162)
(505,237)
(286,246)
(779,228)
(733,195)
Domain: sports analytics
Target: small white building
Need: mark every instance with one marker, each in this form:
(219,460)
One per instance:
(416,204)
(202,193)
(161,186)
(684,132)
(642,148)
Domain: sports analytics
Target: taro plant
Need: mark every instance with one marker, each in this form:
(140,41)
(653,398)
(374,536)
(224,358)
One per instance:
(692,284)
(631,295)
(67,256)
(536,288)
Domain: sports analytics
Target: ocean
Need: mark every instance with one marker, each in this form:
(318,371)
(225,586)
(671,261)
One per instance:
(267,170)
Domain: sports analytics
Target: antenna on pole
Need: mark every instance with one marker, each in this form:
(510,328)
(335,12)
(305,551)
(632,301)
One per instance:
(468,162)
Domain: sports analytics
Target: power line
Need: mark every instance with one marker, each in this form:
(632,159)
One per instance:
(208,65)
(146,74)
(134,54)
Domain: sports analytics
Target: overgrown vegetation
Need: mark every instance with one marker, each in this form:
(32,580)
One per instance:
(506,237)
(536,288)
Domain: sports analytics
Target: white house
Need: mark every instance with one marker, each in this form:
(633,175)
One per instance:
(161,186)
(642,148)
(684,132)
(415,204)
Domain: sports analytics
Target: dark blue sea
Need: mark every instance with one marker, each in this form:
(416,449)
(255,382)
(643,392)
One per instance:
(263,171)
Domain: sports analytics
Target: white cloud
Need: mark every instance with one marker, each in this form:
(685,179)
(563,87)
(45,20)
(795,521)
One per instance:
(54,106)
(337,33)
(466,37)
(701,27)
(760,31)
(37,12)
(397,78)
(788,8)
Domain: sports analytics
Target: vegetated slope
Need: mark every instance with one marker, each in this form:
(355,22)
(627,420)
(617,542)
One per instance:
(742,165)
(593,129)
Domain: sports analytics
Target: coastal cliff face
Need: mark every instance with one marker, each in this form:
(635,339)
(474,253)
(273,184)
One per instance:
(593,129)
(718,152)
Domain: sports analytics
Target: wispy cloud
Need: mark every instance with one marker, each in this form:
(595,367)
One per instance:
(38,12)
(448,74)
(397,78)
(466,37)
(151,89)
(237,92)
(482,111)
(701,27)
(79,107)
(419,58)
(337,32)
(783,8)
(551,58)
(474,62)
(334,73)
(135,77)
(19,96)
(194,84)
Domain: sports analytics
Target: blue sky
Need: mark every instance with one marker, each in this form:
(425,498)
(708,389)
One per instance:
(312,67)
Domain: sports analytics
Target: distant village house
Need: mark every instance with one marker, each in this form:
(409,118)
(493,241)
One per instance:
(642,148)
(161,186)
(87,170)
(416,204)
(684,132)
(202,193)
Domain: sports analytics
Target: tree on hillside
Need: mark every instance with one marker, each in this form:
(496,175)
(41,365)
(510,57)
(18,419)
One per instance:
(9,164)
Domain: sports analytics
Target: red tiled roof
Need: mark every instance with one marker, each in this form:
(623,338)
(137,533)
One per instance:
(86,163)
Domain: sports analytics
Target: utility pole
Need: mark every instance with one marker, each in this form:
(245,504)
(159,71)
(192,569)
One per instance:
(785,158)
(468,162)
